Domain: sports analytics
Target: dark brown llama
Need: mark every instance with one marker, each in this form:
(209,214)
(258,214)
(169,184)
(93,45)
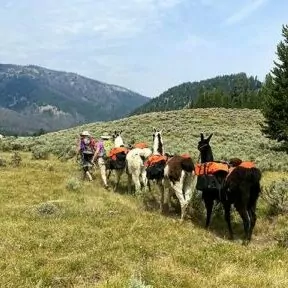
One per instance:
(240,187)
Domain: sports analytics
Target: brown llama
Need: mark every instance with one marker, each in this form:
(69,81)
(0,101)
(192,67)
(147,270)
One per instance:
(239,185)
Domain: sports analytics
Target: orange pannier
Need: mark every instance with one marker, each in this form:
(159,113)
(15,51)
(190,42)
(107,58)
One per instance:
(210,168)
(154,159)
(114,151)
(141,145)
(247,164)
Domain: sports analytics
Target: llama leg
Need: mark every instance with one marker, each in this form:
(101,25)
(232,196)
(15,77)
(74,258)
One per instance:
(253,219)
(149,185)
(144,179)
(187,187)
(167,192)
(136,181)
(162,191)
(177,186)
(118,177)
(109,173)
(209,202)
(227,211)
(129,182)
(246,223)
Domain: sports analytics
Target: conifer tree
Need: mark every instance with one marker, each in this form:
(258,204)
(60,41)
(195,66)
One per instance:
(275,92)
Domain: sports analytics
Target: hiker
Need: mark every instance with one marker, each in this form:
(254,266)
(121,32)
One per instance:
(86,148)
(104,145)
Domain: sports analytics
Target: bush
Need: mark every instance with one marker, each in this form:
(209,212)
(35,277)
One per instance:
(47,209)
(40,154)
(138,283)
(16,159)
(282,238)
(3,163)
(276,195)
(73,184)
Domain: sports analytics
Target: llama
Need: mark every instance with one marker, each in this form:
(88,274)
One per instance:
(117,158)
(135,168)
(240,187)
(178,176)
(156,164)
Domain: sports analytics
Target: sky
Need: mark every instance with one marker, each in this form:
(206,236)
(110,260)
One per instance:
(147,46)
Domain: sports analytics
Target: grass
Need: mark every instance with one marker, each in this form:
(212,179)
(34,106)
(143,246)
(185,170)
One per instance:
(55,233)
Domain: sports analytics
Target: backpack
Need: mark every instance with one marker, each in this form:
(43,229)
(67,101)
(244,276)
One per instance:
(87,147)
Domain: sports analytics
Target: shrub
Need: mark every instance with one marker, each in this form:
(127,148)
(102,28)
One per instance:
(282,238)
(40,154)
(73,184)
(276,195)
(3,163)
(138,283)
(16,159)
(47,209)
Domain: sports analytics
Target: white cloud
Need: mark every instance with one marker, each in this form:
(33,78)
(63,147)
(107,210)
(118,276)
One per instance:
(247,10)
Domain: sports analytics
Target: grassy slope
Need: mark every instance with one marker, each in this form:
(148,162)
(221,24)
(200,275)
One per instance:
(236,134)
(96,238)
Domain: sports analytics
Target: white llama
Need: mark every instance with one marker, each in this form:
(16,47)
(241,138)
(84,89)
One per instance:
(135,168)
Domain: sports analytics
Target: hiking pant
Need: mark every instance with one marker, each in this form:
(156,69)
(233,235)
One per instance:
(102,167)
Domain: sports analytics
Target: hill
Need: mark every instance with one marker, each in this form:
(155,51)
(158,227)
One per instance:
(236,134)
(57,231)
(33,98)
(229,91)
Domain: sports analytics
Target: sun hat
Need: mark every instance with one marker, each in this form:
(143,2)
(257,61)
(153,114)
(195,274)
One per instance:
(105,136)
(85,133)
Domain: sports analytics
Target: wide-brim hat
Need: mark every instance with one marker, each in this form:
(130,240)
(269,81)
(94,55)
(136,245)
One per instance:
(105,136)
(85,133)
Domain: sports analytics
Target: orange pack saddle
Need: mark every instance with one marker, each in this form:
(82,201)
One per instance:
(114,151)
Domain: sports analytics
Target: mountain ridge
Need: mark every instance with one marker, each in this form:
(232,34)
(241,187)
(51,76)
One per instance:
(44,94)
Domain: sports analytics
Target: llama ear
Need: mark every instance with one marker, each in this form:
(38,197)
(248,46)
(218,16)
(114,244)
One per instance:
(209,138)
(202,136)
(120,131)
(154,129)
(161,131)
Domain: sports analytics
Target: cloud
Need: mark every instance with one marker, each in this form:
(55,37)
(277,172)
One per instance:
(243,13)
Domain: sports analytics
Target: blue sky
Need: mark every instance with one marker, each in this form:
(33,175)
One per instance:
(144,45)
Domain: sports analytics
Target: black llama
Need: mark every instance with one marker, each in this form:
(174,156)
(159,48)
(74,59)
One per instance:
(241,187)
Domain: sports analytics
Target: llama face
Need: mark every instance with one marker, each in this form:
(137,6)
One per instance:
(203,144)
(118,142)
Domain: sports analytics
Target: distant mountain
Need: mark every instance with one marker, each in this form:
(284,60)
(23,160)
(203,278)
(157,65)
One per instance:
(33,98)
(231,91)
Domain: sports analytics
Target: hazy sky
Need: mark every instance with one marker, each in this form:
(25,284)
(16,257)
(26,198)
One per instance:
(144,45)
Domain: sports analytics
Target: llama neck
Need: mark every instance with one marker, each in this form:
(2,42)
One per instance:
(158,148)
(207,155)
(118,142)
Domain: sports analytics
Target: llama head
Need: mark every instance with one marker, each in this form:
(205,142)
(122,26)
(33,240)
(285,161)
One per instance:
(118,141)
(158,147)
(205,149)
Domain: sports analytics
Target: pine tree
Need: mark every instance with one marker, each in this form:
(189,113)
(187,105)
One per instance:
(275,92)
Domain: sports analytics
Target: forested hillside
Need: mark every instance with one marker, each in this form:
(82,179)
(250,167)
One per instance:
(229,91)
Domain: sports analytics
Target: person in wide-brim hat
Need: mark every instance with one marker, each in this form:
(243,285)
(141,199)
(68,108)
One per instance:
(105,136)
(85,133)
